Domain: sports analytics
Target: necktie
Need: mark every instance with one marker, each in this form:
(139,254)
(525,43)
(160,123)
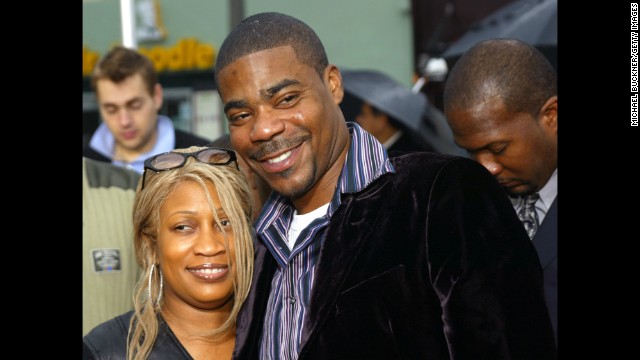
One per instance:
(528,215)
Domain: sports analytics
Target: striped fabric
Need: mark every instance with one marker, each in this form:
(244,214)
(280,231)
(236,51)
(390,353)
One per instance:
(293,281)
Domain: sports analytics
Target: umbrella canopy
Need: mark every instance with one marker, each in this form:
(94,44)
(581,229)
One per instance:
(532,21)
(386,94)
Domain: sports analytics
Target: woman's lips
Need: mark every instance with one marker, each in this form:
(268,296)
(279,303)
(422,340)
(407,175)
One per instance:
(209,272)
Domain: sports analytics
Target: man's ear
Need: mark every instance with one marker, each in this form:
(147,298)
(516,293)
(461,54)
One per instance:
(549,114)
(334,80)
(157,96)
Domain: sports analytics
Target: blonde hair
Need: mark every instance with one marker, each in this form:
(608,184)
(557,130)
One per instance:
(235,199)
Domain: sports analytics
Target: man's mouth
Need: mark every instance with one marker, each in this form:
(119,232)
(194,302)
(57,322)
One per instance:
(128,135)
(280,158)
(279,154)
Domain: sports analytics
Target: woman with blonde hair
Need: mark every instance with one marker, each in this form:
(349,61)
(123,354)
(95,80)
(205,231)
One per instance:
(194,242)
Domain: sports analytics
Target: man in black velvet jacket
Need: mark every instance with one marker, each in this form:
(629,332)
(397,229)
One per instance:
(362,256)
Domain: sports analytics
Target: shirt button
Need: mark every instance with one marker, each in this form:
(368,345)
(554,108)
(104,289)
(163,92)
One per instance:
(292,300)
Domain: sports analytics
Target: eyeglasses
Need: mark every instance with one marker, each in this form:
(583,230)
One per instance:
(173,160)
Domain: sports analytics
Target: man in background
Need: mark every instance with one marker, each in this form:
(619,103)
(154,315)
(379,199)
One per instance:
(109,268)
(129,97)
(501,102)
(384,108)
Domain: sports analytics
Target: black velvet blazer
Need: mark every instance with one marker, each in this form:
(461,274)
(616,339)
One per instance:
(428,263)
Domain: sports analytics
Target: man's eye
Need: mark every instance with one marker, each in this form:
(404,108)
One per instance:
(498,150)
(288,99)
(135,105)
(238,117)
(110,109)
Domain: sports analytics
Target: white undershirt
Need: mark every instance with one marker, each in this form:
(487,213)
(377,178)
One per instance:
(300,222)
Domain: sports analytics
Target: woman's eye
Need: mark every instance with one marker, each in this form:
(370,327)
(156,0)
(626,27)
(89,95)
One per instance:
(225,224)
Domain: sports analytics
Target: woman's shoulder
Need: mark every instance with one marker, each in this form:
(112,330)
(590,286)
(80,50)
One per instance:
(109,339)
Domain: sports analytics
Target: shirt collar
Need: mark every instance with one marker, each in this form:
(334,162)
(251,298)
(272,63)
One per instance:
(547,193)
(103,142)
(549,190)
(366,161)
(392,140)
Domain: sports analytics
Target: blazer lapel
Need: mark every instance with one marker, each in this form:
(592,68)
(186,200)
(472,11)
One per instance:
(546,238)
(337,255)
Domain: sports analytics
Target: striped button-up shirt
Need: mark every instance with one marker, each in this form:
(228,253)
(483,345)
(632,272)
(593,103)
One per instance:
(293,281)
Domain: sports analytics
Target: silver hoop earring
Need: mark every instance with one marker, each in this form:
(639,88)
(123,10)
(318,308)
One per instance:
(157,302)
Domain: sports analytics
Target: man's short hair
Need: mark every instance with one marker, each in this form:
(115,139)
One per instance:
(121,63)
(269,30)
(514,71)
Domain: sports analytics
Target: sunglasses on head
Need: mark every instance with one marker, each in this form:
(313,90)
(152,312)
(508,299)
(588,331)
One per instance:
(173,160)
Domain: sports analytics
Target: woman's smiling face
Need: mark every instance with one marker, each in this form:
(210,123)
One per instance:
(196,265)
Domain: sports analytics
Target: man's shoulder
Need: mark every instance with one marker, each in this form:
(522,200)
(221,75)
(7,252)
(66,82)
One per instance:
(185,139)
(90,153)
(105,174)
(427,161)
(426,167)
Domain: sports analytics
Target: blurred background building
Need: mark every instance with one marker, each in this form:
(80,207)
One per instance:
(403,38)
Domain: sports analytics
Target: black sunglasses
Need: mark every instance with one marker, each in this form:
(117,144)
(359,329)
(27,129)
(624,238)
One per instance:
(172,160)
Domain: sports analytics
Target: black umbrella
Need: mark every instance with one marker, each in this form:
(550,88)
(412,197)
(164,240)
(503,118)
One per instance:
(386,94)
(532,21)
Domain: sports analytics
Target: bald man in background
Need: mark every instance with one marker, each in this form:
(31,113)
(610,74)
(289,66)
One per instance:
(501,102)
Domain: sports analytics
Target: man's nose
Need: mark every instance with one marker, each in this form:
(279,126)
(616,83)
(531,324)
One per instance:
(267,124)
(490,163)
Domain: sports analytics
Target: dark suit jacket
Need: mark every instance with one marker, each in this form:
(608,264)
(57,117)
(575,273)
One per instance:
(546,242)
(428,263)
(183,140)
